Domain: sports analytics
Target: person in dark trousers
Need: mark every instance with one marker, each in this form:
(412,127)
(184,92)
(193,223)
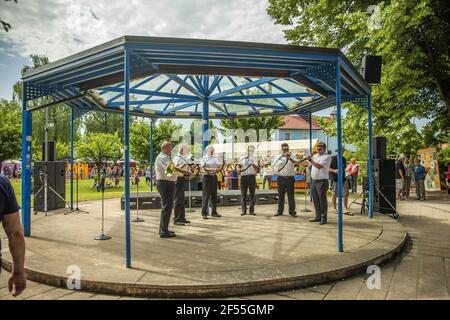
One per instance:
(400,175)
(182,166)
(320,168)
(211,166)
(334,184)
(10,219)
(248,167)
(165,184)
(284,168)
(419,176)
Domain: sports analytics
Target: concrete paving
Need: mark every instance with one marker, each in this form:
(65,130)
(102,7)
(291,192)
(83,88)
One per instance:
(421,272)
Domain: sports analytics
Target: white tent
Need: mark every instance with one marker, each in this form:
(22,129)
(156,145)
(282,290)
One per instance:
(263,148)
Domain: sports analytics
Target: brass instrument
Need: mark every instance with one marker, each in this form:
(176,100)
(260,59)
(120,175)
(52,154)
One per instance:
(170,169)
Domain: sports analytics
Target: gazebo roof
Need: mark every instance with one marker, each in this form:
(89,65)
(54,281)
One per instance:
(173,77)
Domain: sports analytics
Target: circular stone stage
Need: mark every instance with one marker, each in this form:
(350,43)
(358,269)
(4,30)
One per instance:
(229,256)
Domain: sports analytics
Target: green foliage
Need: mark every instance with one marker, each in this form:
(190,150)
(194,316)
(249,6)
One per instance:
(104,122)
(444,155)
(413,41)
(10,130)
(100,147)
(140,138)
(62,151)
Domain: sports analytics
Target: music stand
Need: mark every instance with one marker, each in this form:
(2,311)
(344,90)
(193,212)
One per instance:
(137,219)
(103,236)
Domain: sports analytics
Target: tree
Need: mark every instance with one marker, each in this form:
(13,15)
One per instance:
(59,115)
(62,151)
(10,130)
(413,41)
(140,138)
(104,122)
(6,25)
(100,147)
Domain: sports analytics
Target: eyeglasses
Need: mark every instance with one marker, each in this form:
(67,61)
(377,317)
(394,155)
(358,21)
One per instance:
(287,149)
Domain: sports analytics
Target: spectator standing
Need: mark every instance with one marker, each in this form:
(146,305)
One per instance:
(419,177)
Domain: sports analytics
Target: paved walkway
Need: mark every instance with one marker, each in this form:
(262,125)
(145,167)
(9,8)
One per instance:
(422,272)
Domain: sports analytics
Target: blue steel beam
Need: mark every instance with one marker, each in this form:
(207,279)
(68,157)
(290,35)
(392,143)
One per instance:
(236,85)
(205,114)
(148,102)
(255,105)
(72,120)
(120,89)
(339,156)
(26,163)
(269,96)
(241,87)
(155,93)
(185,85)
(126,114)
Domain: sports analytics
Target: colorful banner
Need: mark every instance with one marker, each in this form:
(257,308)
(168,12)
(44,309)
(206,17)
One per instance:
(428,159)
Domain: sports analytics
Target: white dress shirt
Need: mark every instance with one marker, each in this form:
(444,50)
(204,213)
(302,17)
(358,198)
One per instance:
(210,162)
(287,171)
(247,165)
(161,162)
(322,173)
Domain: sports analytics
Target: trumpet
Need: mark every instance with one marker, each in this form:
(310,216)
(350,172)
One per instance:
(170,169)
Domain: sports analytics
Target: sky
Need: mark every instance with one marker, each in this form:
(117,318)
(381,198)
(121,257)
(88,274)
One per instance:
(59,28)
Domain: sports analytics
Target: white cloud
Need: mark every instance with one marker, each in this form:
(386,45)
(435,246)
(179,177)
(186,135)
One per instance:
(58,28)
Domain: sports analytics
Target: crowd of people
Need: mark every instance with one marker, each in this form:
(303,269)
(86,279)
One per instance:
(409,173)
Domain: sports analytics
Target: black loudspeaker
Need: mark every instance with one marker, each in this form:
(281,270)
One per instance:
(384,186)
(379,148)
(371,69)
(56,179)
(51,151)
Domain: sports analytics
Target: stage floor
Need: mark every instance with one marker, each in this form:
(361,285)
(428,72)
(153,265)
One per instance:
(231,255)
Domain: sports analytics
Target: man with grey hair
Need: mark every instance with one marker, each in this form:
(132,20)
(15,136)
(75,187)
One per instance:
(247,167)
(165,184)
(181,162)
(211,166)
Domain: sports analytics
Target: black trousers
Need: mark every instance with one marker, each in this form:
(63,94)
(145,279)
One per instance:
(167,190)
(179,209)
(248,183)
(319,195)
(209,195)
(286,184)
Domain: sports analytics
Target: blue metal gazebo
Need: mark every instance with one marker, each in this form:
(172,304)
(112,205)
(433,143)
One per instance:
(189,78)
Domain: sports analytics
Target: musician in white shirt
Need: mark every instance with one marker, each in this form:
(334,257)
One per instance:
(284,168)
(211,165)
(248,167)
(181,162)
(320,168)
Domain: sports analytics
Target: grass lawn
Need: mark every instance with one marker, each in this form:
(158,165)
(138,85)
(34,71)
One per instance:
(87,193)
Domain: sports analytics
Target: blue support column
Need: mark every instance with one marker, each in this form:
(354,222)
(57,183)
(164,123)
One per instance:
(339,154)
(205,114)
(310,152)
(370,173)
(151,155)
(126,129)
(72,120)
(26,163)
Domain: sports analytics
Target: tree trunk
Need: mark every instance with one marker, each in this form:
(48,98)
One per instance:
(444,90)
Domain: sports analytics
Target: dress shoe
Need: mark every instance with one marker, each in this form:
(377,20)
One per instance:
(167,235)
(252,214)
(322,222)
(243,213)
(185,221)
(314,220)
(204,217)
(179,223)
(293,215)
(277,214)
(216,215)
